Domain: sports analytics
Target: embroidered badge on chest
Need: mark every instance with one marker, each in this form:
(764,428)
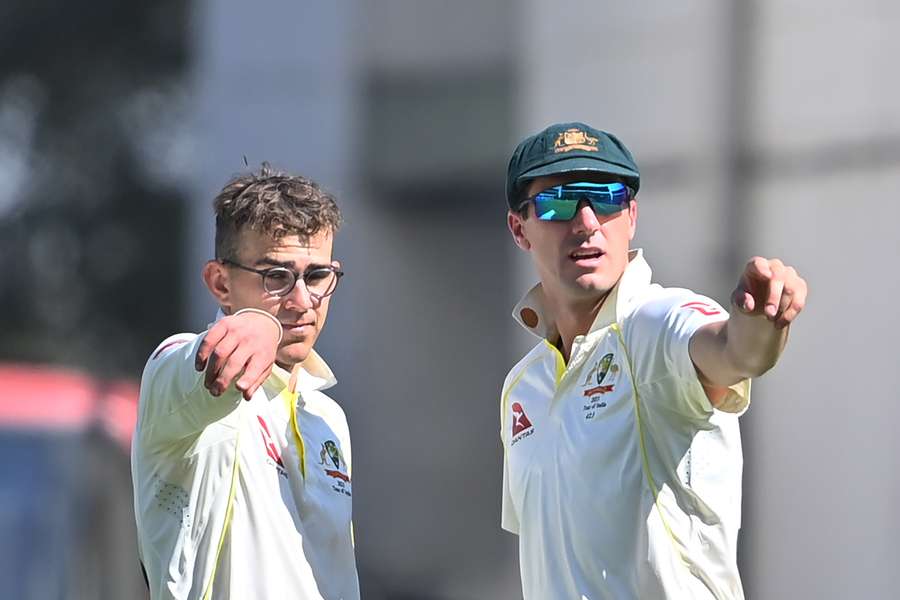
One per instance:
(601,379)
(330,456)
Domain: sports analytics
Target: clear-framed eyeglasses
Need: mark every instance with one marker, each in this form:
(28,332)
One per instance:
(321,280)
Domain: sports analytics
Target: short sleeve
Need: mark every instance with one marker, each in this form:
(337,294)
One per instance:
(173,403)
(509,520)
(660,340)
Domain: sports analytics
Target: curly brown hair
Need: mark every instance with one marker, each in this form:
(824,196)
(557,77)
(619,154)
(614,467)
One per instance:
(274,203)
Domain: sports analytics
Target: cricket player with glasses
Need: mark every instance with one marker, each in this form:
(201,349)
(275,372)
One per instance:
(240,462)
(622,452)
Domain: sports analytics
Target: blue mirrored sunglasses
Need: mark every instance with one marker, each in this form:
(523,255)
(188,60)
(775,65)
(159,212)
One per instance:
(560,203)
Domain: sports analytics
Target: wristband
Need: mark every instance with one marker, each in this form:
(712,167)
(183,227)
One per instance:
(271,317)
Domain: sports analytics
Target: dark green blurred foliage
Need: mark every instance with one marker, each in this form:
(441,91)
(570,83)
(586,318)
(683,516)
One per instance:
(92,211)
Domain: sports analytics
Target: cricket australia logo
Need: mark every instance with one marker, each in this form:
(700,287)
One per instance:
(330,456)
(521,425)
(574,139)
(600,379)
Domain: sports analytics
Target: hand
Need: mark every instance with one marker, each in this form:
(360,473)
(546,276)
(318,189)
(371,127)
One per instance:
(769,287)
(241,346)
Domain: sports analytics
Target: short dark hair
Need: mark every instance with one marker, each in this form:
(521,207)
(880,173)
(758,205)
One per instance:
(273,203)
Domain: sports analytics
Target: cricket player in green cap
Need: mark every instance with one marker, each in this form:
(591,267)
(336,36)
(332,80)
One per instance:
(622,451)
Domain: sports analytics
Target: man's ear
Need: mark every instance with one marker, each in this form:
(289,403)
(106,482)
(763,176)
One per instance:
(516,224)
(218,282)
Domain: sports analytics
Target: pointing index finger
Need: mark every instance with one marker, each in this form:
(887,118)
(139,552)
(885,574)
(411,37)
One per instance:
(759,269)
(776,287)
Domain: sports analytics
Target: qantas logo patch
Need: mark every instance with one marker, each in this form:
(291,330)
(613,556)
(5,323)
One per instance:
(520,419)
(521,425)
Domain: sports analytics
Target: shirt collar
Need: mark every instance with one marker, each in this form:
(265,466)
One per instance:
(533,314)
(313,373)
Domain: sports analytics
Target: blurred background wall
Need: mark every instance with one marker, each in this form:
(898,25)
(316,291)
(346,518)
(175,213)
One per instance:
(760,127)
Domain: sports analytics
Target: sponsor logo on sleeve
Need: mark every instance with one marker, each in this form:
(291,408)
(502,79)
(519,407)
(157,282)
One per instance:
(169,346)
(521,424)
(703,308)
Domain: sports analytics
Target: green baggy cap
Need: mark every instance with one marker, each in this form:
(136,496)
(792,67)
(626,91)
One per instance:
(567,147)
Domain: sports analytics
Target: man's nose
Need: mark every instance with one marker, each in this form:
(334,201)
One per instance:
(585,219)
(300,298)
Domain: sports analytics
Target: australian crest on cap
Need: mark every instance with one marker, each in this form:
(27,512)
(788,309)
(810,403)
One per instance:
(574,139)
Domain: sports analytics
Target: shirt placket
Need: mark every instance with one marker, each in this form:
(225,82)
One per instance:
(582,348)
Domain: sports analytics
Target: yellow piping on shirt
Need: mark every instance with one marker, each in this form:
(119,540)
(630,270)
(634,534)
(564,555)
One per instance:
(560,362)
(290,399)
(644,458)
(290,402)
(235,472)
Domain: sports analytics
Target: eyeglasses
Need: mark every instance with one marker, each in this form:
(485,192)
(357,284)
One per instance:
(321,281)
(560,202)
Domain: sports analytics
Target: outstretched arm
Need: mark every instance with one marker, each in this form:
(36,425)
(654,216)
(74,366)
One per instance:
(768,297)
(178,399)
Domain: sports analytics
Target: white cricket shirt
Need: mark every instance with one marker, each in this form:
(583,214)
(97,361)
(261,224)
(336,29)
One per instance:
(211,527)
(620,479)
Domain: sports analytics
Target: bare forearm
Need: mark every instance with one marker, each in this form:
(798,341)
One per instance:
(744,346)
(769,296)
(753,344)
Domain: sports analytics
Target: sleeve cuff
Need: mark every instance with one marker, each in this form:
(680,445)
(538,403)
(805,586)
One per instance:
(737,399)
